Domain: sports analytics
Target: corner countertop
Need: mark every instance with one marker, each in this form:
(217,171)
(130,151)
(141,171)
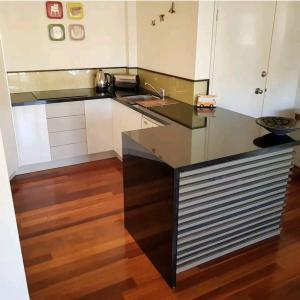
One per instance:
(224,136)
(195,136)
(55,96)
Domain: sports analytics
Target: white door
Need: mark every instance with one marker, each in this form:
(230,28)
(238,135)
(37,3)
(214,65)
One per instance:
(242,48)
(31,134)
(98,114)
(284,66)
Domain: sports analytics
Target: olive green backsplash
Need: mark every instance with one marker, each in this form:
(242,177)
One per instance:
(177,88)
(55,80)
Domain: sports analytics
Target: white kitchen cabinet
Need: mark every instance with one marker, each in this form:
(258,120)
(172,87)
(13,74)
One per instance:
(66,123)
(63,109)
(67,137)
(99,125)
(124,119)
(68,151)
(31,134)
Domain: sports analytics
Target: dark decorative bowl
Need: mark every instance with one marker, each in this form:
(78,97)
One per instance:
(278,125)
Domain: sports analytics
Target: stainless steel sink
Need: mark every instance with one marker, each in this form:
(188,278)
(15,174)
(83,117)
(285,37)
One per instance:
(148,100)
(140,98)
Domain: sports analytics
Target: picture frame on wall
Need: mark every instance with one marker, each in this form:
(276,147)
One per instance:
(76,32)
(54,10)
(75,10)
(56,32)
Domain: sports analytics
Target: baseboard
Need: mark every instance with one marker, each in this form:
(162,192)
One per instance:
(11,176)
(65,162)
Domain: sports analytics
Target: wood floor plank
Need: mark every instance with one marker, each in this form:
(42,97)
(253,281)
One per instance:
(75,245)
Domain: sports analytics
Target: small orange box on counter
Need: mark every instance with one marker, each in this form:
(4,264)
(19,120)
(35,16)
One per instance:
(206,101)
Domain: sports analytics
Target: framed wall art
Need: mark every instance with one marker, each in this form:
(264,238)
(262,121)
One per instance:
(75,10)
(76,32)
(54,10)
(56,32)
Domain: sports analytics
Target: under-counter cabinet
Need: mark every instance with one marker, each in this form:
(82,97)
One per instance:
(31,134)
(59,132)
(124,119)
(67,129)
(99,125)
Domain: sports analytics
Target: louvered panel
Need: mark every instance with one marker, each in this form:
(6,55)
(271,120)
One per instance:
(230,222)
(212,198)
(205,208)
(272,170)
(242,184)
(224,239)
(234,163)
(264,164)
(198,260)
(228,206)
(229,216)
(229,243)
(216,232)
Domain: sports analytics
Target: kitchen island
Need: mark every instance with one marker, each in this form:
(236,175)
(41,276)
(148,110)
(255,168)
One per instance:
(197,192)
(200,185)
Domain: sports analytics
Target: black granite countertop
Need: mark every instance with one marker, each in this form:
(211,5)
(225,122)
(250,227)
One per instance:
(206,135)
(224,135)
(56,96)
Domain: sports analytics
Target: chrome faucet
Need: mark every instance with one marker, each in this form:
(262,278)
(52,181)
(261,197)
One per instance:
(160,93)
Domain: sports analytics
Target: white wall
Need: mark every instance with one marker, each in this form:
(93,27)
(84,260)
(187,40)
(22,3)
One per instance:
(131,34)
(284,65)
(204,39)
(170,46)
(12,276)
(6,121)
(28,47)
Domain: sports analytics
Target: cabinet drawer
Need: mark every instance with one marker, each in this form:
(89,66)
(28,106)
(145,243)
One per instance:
(67,137)
(68,151)
(64,109)
(66,123)
(148,123)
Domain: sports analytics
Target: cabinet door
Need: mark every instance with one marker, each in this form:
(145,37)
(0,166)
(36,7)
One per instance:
(31,134)
(99,124)
(131,119)
(117,124)
(124,119)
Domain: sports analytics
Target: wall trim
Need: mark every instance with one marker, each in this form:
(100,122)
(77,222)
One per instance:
(105,68)
(178,77)
(57,70)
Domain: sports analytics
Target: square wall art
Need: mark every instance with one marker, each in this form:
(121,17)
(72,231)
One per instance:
(75,10)
(56,32)
(54,10)
(76,32)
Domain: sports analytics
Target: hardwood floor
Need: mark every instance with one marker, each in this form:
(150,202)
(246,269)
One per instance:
(75,246)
